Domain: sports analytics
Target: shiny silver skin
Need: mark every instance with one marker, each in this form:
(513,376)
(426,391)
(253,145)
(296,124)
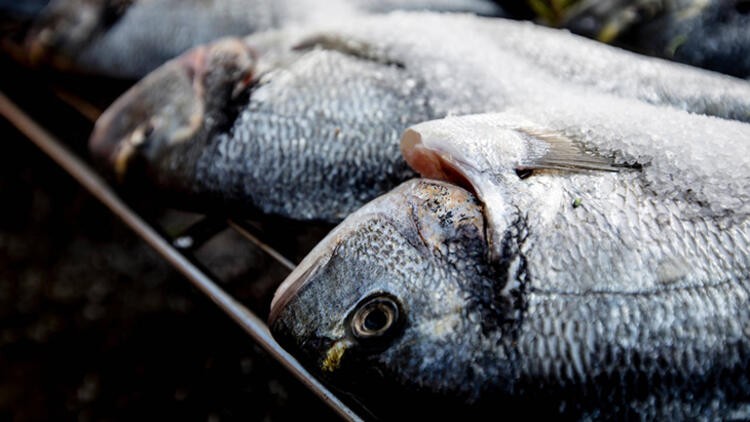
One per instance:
(316,134)
(605,273)
(129,38)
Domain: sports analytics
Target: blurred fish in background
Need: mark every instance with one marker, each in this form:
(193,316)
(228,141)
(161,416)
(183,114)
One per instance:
(308,126)
(713,34)
(128,38)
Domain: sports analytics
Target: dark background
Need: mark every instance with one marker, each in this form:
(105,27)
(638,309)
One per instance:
(94,325)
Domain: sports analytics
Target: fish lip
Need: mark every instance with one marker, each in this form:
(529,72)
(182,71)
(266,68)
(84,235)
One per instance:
(109,153)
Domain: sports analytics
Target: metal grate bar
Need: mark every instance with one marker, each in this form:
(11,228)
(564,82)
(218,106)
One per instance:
(92,113)
(250,233)
(82,106)
(199,233)
(99,189)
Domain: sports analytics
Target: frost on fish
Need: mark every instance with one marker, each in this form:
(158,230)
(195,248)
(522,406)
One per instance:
(315,135)
(671,165)
(128,38)
(613,286)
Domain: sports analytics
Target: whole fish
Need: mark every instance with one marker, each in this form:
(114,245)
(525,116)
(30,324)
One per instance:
(713,34)
(604,275)
(129,38)
(316,132)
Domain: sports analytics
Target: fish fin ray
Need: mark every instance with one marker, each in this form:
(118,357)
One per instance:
(554,151)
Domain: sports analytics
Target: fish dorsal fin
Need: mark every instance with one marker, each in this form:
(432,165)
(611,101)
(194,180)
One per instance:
(346,45)
(555,151)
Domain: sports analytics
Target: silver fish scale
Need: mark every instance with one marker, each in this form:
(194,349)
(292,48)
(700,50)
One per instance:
(508,62)
(614,246)
(656,304)
(317,159)
(623,73)
(628,348)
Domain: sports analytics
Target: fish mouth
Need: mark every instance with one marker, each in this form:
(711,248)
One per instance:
(118,133)
(168,106)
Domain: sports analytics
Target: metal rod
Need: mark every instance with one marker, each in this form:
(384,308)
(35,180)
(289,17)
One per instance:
(92,113)
(97,187)
(245,232)
(199,233)
(83,107)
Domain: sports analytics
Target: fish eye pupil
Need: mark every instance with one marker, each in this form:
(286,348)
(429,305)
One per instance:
(742,7)
(375,320)
(376,317)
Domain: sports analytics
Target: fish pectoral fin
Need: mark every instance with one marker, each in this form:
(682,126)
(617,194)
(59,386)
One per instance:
(555,151)
(347,45)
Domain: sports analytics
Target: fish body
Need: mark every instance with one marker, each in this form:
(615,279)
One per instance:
(610,282)
(316,132)
(129,38)
(712,34)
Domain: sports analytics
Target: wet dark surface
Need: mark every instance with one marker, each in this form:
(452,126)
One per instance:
(94,325)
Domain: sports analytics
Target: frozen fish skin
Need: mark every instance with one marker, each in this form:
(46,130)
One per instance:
(316,132)
(601,271)
(129,38)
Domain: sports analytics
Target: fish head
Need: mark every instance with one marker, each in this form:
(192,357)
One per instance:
(65,27)
(386,306)
(176,107)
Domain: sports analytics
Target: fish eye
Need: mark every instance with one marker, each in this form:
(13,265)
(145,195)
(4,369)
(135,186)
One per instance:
(376,317)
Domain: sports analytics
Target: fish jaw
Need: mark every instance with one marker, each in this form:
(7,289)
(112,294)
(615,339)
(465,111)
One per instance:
(171,107)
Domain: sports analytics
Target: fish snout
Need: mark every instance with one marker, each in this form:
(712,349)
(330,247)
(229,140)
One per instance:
(62,31)
(170,106)
(161,109)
